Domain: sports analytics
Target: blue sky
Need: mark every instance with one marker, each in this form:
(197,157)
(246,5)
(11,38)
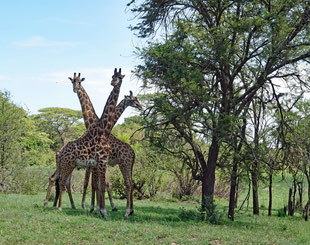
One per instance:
(44,42)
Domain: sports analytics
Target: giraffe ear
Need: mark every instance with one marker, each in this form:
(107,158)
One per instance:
(70,79)
(123,76)
(82,79)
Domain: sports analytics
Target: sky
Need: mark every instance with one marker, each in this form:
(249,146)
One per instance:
(44,42)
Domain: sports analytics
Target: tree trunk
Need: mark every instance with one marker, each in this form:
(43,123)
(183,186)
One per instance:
(232,194)
(234,185)
(307,207)
(300,191)
(255,192)
(290,203)
(237,193)
(208,179)
(270,194)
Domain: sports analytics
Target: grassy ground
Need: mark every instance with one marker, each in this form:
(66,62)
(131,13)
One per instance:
(23,220)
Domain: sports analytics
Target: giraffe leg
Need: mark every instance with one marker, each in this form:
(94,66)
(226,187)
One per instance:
(94,184)
(49,188)
(131,193)
(128,183)
(102,170)
(86,180)
(96,190)
(128,188)
(131,197)
(57,190)
(98,196)
(109,189)
(61,189)
(62,183)
(68,187)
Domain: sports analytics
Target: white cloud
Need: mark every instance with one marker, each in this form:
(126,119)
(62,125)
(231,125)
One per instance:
(38,41)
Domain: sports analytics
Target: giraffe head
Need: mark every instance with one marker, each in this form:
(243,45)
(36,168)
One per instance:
(131,100)
(117,77)
(76,81)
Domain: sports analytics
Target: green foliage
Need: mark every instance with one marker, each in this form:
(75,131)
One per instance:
(27,143)
(61,124)
(209,213)
(14,124)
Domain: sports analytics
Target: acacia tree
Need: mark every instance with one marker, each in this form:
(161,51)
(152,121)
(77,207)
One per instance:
(209,46)
(61,124)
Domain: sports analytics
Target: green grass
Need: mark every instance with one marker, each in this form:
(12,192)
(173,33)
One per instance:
(23,220)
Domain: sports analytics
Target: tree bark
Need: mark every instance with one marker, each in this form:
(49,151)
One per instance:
(300,191)
(237,193)
(307,207)
(232,194)
(255,192)
(290,203)
(270,194)
(208,179)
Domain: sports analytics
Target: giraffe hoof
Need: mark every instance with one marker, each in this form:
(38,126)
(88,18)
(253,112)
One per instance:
(54,208)
(103,213)
(60,209)
(73,207)
(114,209)
(45,204)
(129,213)
(91,210)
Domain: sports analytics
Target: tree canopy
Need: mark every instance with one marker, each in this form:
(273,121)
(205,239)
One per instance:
(213,59)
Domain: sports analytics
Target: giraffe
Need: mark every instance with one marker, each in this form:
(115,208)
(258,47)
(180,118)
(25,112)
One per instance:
(90,120)
(122,154)
(91,147)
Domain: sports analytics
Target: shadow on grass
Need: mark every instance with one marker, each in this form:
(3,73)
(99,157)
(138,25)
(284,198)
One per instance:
(164,216)
(168,216)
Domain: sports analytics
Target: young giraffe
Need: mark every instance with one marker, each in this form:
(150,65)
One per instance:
(122,154)
(91,147)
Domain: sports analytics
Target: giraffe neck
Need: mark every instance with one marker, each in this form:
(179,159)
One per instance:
(106,121)
(89,114)
(119,111)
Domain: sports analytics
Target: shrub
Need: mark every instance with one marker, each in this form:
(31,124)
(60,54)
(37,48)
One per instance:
(209,213)
(25,180)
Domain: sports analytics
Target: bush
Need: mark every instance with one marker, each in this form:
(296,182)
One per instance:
(25,180)
(209,213)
